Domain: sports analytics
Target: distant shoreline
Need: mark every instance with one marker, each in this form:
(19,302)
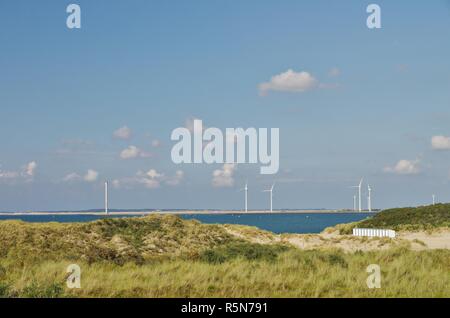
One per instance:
(203,212)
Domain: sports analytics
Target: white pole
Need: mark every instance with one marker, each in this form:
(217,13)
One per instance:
(354,203)
(359,195)
(359,192)
(369,199)
(246,197)
(271,201)
(434,199)
(106,197)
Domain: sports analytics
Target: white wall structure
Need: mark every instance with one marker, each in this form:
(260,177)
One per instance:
(374,233)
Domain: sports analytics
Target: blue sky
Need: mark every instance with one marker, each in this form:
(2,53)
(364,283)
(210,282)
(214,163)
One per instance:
(154,65)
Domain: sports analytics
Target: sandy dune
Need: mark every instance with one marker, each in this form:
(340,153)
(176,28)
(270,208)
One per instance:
(436,240)
(439,239)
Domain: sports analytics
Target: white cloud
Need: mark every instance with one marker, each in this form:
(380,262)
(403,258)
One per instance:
(176,179)
(440,143)
(151,183)
(334,72)
(404,167)
(289,81)
(30,168)
(72,177)
(5,175)
(224,177)
(153,174)
(91,176)
(116,184)
(150,179)
(25,174)
(156,143)
(130,152)
(133,152)
(122,133)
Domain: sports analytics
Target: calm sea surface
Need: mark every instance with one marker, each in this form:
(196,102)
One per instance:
(278,223)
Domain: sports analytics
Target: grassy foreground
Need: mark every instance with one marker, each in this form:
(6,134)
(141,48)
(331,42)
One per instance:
(165,256)
(294,273)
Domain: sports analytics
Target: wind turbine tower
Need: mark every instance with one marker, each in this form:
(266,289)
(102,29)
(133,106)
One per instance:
(106,197)
(369,198)
(246,196)
(354,203)
(359,195)
(271,194)
(434,199)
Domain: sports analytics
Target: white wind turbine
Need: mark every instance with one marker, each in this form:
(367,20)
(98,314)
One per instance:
(369,198)
(106,197)
(354,203)
(359,194)
(246,196)
(271,195)
(434,199)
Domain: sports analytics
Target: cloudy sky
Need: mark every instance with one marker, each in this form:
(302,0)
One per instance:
(79,107)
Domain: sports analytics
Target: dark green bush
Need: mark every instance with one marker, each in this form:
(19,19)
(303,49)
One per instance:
(337,260)
(4,290)
(213,257)
(419,218)
(248,251)
(35,290)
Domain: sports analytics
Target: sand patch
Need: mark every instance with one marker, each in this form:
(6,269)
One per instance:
(423,240)
(438,239)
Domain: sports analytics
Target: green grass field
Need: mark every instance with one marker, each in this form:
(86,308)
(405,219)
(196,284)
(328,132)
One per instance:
(292,273)
(165,256)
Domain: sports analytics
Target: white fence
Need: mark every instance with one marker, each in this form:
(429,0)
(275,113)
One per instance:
(374,233)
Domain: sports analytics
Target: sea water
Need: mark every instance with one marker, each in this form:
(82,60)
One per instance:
(276,222)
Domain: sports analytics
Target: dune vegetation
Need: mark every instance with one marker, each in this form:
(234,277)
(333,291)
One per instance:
(418,218)
(165,256)
(423,218)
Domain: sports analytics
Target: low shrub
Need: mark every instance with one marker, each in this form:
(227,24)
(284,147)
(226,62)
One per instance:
(248,251)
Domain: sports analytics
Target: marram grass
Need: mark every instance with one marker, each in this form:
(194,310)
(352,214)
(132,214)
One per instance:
(165,256)
(293,273)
